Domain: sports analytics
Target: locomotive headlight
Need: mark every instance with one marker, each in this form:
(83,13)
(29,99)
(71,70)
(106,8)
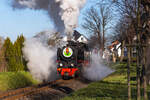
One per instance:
(61,64)
(67,52)
(72,64)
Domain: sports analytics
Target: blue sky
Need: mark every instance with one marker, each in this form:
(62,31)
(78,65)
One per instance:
(27,22)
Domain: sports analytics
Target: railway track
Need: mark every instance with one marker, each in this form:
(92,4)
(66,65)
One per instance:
(22,92)
(54,88)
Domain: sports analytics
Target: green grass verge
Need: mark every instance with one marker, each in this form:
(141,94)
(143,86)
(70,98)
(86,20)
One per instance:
(113,87)
(13,80)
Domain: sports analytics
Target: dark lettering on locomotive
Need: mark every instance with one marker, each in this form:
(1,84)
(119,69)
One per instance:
(71,58)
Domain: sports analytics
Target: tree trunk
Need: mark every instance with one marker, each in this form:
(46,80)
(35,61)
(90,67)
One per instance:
(138,74)
(99,39)
(122,51)
(138,80)
(128,73)
(114,56)
(144,67)
(138,50)
(103,35)
(148,62)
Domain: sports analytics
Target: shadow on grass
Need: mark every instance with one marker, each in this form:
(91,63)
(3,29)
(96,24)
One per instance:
(133,78)
(83,80)
(63,89)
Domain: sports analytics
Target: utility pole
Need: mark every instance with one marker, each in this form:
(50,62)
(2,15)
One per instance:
(144,67)
(128,72)
(146,4)
(138,51)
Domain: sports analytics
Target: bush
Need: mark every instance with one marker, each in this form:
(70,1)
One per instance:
(13,80)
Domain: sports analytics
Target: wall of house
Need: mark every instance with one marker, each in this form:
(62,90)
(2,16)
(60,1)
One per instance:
(82,39)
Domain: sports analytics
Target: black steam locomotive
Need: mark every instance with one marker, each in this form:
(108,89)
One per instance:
(71,58)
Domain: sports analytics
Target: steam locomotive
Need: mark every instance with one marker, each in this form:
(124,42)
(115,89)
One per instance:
(71,58)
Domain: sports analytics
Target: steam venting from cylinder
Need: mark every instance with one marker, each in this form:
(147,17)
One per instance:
(97,70)
(41,59)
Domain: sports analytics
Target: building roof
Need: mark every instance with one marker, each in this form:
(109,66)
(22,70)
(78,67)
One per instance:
(114,43)
(76,35)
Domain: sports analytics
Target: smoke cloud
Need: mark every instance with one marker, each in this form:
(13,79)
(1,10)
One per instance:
(41,59)
(64,13)
(96,71)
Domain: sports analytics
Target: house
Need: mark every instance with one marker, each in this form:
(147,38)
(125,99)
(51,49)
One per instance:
(115,47)
(79,37)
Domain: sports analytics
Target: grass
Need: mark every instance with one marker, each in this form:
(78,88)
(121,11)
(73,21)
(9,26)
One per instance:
(13,80)
(113,87)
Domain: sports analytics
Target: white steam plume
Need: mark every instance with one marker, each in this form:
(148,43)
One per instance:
(41,59)
(96,71)
(64,13)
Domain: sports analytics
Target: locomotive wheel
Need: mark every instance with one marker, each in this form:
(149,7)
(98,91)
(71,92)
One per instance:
(78,73)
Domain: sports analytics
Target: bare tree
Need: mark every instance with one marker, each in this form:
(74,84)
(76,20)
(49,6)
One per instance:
(121,35)
(146,26)
(128,10)
(105,20)
(133,10)
(92,23)
(93,42)
(146,4)
(96,22)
